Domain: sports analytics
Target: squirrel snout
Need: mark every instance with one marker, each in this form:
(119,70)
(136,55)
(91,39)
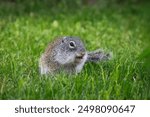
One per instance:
(80,55)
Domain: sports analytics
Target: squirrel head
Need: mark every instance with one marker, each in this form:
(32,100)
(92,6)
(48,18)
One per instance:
(70,50)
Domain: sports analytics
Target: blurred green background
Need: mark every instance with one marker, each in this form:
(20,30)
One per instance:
(120,26)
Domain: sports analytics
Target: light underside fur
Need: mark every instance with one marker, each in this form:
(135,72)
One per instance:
(43,67)
(81,64)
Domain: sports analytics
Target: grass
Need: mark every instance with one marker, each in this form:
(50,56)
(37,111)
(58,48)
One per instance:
(27,28)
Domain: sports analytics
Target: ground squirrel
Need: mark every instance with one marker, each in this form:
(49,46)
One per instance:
(68,54)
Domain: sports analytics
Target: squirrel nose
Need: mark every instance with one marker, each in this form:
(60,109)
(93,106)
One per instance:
(82,53)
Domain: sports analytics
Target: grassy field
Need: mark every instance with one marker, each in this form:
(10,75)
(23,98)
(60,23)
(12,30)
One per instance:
(27,28)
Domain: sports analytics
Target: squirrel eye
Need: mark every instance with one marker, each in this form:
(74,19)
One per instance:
(72,44)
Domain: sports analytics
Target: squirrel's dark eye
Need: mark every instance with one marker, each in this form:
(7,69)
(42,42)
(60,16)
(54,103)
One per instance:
(72,44)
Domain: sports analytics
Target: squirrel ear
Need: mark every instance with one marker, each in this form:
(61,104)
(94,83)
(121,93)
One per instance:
(62,41)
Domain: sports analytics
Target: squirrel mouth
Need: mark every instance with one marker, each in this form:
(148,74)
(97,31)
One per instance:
(79,57)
